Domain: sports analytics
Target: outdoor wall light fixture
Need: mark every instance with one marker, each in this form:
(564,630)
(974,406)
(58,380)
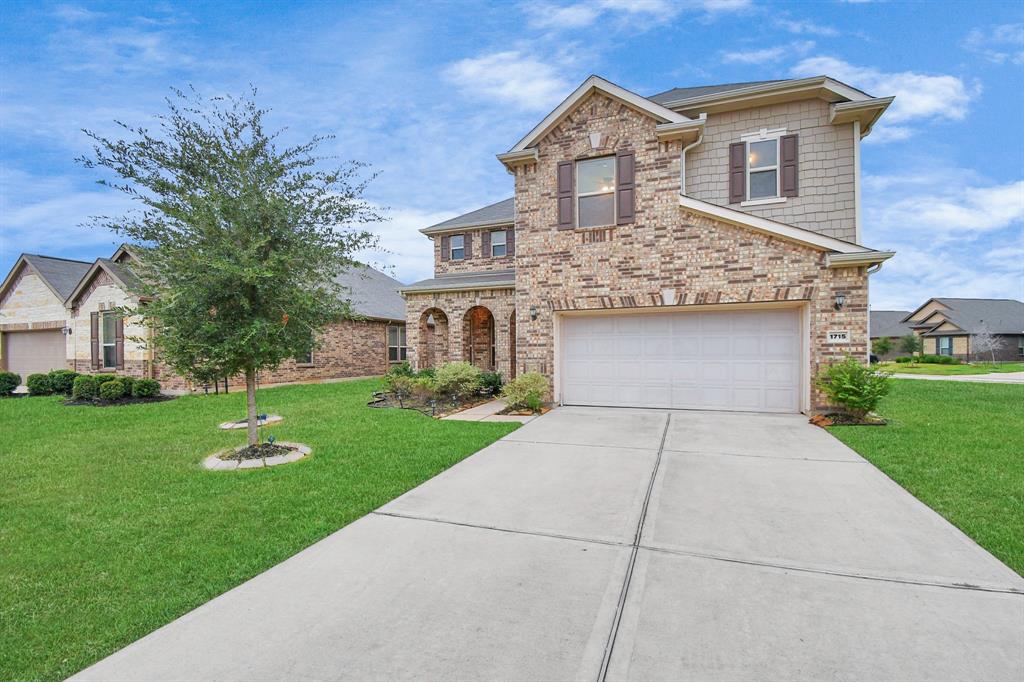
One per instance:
(840,301)
(533,312)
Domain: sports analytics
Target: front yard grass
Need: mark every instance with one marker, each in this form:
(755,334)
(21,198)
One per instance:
(958,447)
(945,370)
(110,528)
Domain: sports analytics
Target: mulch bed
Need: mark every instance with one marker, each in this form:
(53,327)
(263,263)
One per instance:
(526,413)
(123,401)
(440,408)
(261,451)
(844,419)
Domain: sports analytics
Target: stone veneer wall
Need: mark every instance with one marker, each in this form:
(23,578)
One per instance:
(704,260)
(826,174)
(30,304)
(477,262)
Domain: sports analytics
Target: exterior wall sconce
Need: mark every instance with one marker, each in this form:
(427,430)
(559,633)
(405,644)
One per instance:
(533,312)
(840,301)
(66,331)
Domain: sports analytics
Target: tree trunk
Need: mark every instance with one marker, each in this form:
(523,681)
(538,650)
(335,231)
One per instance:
(250,406)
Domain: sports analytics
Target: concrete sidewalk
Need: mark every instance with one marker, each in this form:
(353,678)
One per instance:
(601,544)
(993,378)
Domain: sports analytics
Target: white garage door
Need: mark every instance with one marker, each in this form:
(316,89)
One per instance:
(34,352)
(745,360)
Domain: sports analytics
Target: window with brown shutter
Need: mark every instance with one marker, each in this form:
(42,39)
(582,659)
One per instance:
(510,242)
(119,342)
(625,192)
(565,198)
(94,339)
(737,172)
(789,184)
(445,248)
(468,237)
(485,244)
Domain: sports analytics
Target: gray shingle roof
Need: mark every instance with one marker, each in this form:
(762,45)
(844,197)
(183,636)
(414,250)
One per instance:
(889,323)
(998,315)
(372,293)
(122,273)
(496,279)
(495,214)
(676,94)
(61,274)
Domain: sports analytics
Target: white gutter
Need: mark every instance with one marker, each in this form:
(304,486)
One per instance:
(682,159)
(848,260)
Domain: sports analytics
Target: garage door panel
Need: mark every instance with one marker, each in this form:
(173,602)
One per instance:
(34,352)
(725,360)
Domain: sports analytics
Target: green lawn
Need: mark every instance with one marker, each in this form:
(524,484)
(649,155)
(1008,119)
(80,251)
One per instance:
(959,447)
(933,368)
(110,528)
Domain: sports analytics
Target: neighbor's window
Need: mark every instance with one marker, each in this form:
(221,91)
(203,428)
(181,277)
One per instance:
(1020,346)
(498,244)
(457,246)
(945,345)
(763,169)
(396,343)
(108,335)
(304,358)
(595,191)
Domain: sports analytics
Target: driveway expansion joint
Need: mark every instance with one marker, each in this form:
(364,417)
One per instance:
(790,459)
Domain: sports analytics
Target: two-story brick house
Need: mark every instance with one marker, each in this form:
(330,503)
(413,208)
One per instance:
(695,249)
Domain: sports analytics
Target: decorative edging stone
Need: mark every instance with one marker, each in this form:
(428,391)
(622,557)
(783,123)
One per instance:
(271,419)
(215,463)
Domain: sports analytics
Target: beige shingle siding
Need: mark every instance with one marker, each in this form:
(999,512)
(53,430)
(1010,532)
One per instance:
(826,203)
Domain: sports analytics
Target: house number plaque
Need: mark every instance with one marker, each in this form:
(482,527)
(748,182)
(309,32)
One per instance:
(838,336)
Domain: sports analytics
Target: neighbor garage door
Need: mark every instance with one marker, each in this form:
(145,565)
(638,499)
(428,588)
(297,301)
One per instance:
(31,352)
(746,360)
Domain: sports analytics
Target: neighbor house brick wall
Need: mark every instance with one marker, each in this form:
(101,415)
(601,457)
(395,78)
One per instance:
(477,262)
(826,201)
(707,262)
(351,348)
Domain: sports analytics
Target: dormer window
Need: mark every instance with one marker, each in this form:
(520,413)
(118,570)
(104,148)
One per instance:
(499,244)
(595,191)
(457,245)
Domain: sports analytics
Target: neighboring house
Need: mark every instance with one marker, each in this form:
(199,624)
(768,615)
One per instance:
(889,324)
(56,313)
(695,249)
(949,326)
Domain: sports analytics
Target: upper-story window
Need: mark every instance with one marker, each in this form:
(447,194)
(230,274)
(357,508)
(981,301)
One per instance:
(595,191)
(499,244)
(457,245)
(763,169)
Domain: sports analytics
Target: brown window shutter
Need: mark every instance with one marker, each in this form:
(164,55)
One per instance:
(467,242)
(510,241)
(94,339)
(446,251)
(625,187)
(565,195)
(119,342)
(737,172)
(788,151)
(485,244)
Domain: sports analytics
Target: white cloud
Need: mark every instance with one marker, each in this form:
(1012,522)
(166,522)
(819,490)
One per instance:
(73,13)
(1003,43)
(885,133)
(768,54)
(407,254)
(510,77)
(949,212)
(917,95)
(551,16)
(800,26)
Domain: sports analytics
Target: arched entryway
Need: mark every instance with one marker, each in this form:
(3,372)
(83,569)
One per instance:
(478,338)
(433,343)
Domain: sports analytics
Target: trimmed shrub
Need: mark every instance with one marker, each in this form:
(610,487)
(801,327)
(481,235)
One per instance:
(112,390)
(904,359)
(62,381)
(38,384)
(491,382)
(458,379)
(428,372)
(8,382)
(85,387)
(399,384)
(145,388)
(104,378)
(424,388)
(128,382)
(526,392)
(402,369)
(948,360)
(854,387)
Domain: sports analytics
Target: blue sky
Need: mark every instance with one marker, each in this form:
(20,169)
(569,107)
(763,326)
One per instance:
(429,92)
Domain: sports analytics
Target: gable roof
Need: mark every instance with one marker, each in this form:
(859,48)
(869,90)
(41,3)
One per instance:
(998,315)
(372,293)
(121,275)
(499,213)
(60,275)
(888,323)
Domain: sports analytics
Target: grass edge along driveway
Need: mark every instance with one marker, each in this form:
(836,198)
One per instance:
(110,527)
(958,448)
(950,370)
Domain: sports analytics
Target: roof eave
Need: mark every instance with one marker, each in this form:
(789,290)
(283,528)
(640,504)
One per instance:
(839,90)
(867,112)
(87,277)
(462,228)
(850,260)
(467,287)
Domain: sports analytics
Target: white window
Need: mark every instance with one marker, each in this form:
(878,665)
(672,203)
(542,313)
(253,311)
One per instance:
(595,192)
(108,339)
(457,247)
(498,244)
(945,345)
(396,343)
(1020,346)
(763,169)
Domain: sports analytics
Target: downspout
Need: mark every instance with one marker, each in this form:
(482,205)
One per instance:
(682,157)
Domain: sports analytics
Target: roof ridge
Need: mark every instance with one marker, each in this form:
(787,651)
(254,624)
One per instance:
(68,260)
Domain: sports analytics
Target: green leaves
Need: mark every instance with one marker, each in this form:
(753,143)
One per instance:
(854,386)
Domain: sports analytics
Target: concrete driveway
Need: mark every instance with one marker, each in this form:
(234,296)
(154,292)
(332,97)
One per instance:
(621,544)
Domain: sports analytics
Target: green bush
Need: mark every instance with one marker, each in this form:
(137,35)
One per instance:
(491,382)
(428,372)
(904,359)
(8,382)
(38,384)
(947,360)
(424,388)
(402,369)
(458,379)
(526,392)
(128,382)
(145,388)
(104,378)
(112,390)
(85,387)
(62,381)
(851,385)
(399,384)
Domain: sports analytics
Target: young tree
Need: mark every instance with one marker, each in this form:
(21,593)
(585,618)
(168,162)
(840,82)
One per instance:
(881,346)
(911,343)
(241,239)
(983,341)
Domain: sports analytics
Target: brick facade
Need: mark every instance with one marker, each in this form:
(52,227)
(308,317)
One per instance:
(478,261)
